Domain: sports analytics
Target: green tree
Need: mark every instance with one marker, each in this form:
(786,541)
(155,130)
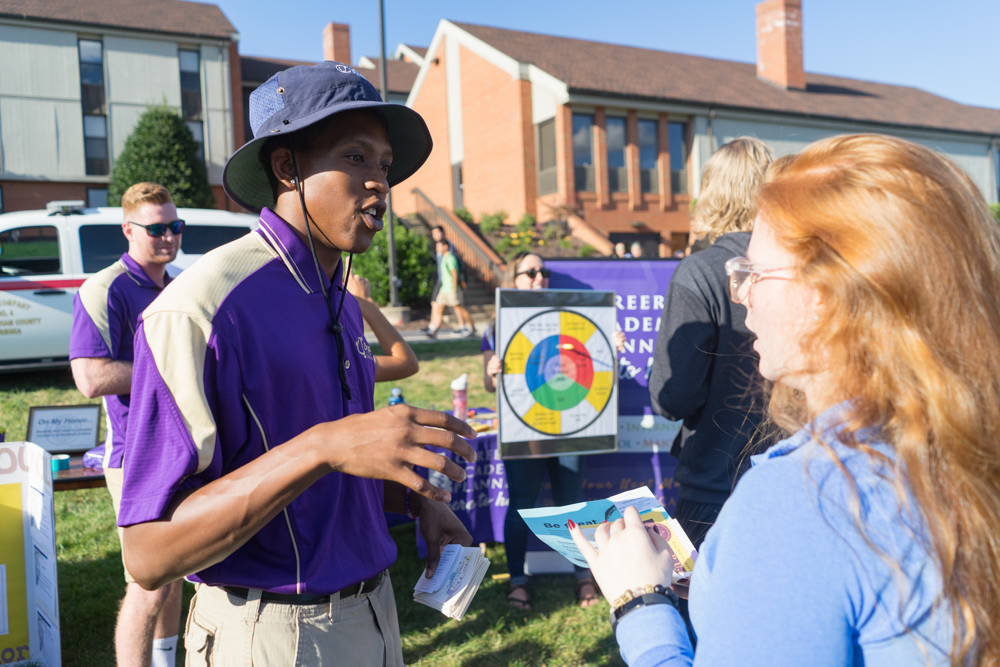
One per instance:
(161,149)
(995,208)
(415,263)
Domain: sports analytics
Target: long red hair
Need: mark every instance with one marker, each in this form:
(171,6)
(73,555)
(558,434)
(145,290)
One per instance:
(900,244)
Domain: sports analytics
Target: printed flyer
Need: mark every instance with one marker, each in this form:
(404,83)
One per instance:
(550,525)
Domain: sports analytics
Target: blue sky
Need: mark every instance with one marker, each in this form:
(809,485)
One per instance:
(948,48)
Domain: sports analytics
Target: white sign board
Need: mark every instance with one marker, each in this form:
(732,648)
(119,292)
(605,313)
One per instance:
(558,392)
(29,598)
(61,429)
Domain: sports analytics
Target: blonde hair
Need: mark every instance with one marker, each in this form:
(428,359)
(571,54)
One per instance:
(145,193)
(900,245)
(728,198)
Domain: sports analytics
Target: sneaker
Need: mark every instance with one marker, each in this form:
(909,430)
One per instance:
(470,333)
(430,333)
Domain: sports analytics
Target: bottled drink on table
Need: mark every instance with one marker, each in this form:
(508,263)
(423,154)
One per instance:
(460,396)
(396,397)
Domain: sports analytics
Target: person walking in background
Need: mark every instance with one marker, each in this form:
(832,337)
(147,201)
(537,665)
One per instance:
(105,314)
(636,249)
(870,535)
(450,294)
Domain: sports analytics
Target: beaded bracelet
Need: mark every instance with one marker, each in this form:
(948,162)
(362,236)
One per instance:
(409,512)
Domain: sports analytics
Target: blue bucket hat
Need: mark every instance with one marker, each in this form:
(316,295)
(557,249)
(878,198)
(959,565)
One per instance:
(300,97)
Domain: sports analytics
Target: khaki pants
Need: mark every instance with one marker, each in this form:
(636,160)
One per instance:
(115,477)
(224,630)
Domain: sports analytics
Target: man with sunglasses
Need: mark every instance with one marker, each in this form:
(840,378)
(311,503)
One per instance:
(105,314)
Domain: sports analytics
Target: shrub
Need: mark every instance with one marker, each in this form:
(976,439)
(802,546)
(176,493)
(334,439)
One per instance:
(526,223)
(490,224)
(553,231)
(587,250)
(463,214)
(995,208)
(162,150)
(415,266)
(503,245)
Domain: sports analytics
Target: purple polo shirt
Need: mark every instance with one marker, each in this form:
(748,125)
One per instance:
(237,357)
(106,312)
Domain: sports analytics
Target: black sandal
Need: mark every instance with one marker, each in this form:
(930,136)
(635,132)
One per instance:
(516,602)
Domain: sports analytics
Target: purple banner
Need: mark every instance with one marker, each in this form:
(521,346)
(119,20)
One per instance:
(640,286)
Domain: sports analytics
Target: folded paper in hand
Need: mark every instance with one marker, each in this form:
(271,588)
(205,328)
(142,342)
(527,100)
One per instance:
(550,525)
(455,581)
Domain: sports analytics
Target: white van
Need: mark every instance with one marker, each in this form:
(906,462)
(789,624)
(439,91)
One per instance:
(46,255)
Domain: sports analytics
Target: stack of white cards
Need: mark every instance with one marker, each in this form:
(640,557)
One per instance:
(455,581)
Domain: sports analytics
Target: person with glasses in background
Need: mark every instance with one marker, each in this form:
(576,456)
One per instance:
(105,314)
(870,535)
(526,271)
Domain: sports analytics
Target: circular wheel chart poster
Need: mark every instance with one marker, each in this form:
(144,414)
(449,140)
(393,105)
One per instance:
(558,391)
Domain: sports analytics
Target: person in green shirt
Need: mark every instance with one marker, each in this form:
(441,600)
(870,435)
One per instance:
(450,294)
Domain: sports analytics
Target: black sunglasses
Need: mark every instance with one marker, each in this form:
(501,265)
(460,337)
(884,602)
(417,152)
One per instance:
(531,273)
(160,228)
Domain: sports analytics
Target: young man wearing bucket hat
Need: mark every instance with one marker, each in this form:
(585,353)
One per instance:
(256,462)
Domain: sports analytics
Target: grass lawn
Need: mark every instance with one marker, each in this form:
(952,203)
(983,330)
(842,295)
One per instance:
(556,632)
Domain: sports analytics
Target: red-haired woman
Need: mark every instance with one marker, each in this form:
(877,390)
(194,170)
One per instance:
(872,535)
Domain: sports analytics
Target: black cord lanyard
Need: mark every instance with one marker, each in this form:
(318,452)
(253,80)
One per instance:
(336,328)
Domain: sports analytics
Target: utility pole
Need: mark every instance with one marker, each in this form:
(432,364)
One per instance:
(393,285)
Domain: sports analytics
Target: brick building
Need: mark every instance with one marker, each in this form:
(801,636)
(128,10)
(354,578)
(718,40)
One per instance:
(76,75)
(618,136)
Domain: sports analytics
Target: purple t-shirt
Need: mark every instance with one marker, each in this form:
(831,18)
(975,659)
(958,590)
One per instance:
(105,314)
(237,357)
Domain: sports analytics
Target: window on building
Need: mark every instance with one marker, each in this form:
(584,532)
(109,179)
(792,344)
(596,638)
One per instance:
(94,107)
(649,152)
(198,132)
(30,250)
(616,142)
(996,173)
(190,61)
(583,152)
(97,197)
(547,182)
(678,158)
(95,145)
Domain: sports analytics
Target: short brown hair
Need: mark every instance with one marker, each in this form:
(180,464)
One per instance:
(145,193)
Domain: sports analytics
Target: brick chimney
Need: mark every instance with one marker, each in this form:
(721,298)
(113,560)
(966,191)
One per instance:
(337,42)
(779,43)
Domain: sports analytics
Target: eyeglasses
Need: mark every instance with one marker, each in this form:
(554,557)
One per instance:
(743,274)
(160,228)
(531,273)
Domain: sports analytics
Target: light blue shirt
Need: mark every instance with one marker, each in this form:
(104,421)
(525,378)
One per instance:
(786,578)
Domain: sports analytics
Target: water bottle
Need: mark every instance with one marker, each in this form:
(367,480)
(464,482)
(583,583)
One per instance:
(396,397)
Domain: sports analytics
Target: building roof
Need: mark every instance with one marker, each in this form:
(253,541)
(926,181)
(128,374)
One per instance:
(615,71)
(161,16)
(255,70)
(400,74)
(419,50)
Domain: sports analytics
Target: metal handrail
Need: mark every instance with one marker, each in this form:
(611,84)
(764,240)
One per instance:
(475,253)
